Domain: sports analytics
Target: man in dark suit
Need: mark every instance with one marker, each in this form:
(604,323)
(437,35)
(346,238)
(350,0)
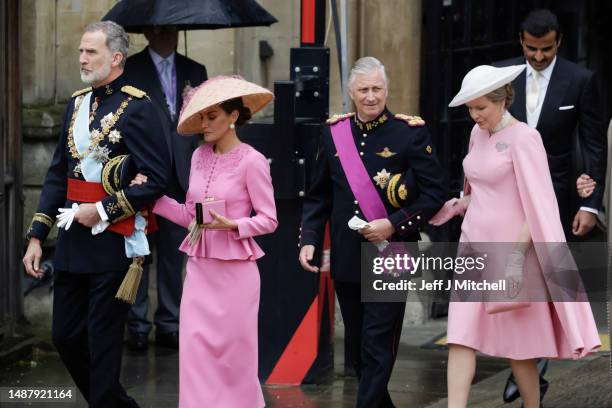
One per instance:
(166,76)
(558,97)
(103,123)
(393,149)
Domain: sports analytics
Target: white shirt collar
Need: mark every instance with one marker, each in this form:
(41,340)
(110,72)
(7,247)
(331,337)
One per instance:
(157,59)
(546,73)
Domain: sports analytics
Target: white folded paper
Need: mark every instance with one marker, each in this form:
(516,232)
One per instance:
(357,224)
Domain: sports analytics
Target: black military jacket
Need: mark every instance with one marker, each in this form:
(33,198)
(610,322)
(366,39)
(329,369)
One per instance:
(125,122)
(390,146)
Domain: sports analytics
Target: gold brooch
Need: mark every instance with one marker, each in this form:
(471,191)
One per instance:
(386,153)
(382,178)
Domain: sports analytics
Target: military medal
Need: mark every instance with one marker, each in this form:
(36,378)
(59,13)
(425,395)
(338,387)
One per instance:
(114,136)
(382,178)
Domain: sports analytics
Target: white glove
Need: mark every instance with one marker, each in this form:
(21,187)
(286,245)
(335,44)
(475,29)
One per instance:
(66,216)
(514,273)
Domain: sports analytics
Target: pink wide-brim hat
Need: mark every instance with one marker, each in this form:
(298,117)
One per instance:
(215,91)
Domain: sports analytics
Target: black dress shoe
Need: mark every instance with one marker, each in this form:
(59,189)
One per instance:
(511,391)
(170,340)
(137,341)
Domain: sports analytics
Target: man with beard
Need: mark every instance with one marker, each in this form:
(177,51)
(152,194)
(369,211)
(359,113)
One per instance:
(558,97)
(106,126)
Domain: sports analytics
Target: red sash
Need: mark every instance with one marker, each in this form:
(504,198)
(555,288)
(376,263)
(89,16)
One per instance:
(87,192)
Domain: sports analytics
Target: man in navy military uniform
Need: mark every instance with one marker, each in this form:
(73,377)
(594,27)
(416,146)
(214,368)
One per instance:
(390,146)
(166,76)
(102,122)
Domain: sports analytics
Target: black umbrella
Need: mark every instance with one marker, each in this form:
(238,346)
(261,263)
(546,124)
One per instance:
(133,15)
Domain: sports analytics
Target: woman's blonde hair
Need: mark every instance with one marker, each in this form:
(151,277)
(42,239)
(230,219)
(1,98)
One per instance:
(504,93)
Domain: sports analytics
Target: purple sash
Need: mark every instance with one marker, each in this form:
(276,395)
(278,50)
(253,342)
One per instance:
(358,178)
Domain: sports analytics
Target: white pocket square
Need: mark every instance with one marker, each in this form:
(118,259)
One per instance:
(568,107)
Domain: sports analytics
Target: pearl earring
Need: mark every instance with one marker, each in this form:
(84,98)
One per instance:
(232,126)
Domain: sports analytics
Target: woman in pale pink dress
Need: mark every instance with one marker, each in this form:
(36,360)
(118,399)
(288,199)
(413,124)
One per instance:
(508,198)
(219,307)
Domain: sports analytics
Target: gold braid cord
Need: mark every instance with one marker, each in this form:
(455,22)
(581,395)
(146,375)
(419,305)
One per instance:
(96,135)
(391,190)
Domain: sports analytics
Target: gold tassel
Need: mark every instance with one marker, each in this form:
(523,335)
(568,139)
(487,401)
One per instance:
(195,232)
(129,287)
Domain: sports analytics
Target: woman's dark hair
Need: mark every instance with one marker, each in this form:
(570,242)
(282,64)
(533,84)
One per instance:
(244,113)
(540,22)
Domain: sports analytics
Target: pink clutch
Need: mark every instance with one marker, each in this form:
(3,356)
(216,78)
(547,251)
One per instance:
(203,210)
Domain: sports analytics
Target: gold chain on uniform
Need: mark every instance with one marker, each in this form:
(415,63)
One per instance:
(99,135)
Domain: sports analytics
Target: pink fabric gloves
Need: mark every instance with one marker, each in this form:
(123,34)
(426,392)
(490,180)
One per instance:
(450,209)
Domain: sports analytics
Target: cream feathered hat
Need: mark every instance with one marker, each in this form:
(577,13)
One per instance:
(484,79)
(215,91)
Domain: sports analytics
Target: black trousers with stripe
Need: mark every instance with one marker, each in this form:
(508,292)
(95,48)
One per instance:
(88,324)
(372,331)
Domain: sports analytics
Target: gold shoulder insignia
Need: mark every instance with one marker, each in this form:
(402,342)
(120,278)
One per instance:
(135,92)
(81,91)
(337,118)
(410,120)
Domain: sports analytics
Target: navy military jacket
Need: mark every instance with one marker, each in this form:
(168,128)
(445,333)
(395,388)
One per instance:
(136,131)
(389,146)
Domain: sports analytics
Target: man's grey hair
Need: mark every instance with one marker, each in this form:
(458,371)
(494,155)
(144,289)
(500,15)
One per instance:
(117,39)
(365,66)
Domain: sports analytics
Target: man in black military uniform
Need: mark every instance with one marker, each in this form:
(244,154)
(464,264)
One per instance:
(167,77)
(390,146)
(102,122)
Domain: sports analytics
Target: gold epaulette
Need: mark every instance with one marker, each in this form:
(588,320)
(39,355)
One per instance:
(81,91)
(337,118)
(135,92)
(410,120)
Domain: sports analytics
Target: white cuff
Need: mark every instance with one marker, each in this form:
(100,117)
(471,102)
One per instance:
(101,211)
(589,209)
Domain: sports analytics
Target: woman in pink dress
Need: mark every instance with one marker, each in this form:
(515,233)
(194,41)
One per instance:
(219,306)
(508,198)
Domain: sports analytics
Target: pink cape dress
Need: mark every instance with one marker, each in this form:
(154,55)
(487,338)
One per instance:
(218,355)
(509,181)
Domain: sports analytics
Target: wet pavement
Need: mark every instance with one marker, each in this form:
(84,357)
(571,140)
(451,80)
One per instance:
(418,380)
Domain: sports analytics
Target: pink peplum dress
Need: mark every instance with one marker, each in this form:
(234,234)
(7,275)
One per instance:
(218,353)
(509,181)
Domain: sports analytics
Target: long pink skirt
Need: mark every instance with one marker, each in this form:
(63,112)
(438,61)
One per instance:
(218,335)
